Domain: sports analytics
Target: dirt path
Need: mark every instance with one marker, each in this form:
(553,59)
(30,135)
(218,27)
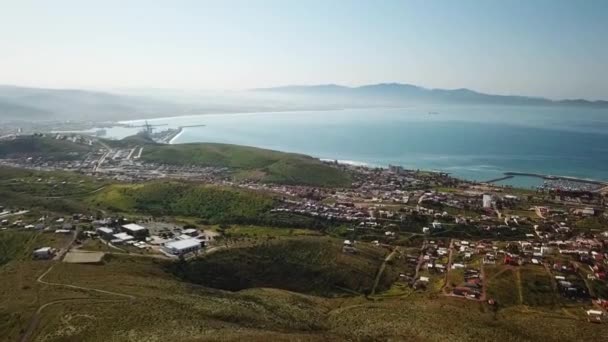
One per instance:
(419,264)
(35,320)
(449,267)
(381,269)
(77,195)
(40,280)
(519,288)
(484,284)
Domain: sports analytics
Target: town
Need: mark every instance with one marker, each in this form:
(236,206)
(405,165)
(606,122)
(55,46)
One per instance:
(457,237)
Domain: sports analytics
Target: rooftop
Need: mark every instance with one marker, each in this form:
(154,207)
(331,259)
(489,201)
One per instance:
(133,227)
(183,244)
(123,236)
(105,230)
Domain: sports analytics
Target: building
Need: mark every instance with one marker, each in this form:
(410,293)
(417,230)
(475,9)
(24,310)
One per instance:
(191,231)
(121,238)
(487,201)
(44,253)
(182,247)
(135,230)
(105,233)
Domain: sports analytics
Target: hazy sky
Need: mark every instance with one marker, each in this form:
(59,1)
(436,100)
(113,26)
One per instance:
(547,48)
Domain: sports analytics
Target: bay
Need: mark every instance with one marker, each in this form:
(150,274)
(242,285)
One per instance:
(471,142)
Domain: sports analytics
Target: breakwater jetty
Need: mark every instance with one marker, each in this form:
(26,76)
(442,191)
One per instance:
(551,177)
(177,132)
(509,175)
(498,179)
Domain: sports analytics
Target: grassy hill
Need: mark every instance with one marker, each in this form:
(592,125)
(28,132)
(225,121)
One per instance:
(251,162)
(216,204)
(307,264)
(14,245)
(166,308)
(46,147)
(18,245)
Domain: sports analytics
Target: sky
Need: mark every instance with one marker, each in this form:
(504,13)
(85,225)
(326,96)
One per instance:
(550,48)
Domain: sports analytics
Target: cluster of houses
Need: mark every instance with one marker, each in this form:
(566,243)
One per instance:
(59,225)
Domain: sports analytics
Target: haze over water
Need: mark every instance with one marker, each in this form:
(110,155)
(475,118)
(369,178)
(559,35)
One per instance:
(472,142)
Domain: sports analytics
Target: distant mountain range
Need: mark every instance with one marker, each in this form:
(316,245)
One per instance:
(20,103)
(402,94)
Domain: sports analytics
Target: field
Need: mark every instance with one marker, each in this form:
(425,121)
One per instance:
(503,285)
(537,287)
(526,285)
(46,191)
(47,184)
(250,162)
(258,232)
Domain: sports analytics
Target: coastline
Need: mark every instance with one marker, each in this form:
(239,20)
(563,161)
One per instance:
(403,145)
(245,113)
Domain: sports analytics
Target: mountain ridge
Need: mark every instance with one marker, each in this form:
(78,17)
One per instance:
(45,104)
(405,92)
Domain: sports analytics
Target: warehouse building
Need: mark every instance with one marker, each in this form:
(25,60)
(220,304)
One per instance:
(182,247)
(121,238)
(105,233)
(135,230)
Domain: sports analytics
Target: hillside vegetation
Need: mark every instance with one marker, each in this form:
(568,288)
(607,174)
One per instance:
(18,245)
(310,265)
(251,162)
(217,204)
(53,191)
(46,147)
(166,308)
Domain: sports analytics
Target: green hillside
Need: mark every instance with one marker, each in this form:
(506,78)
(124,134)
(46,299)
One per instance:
(251,162)
(166,308)
(46,147)
(18,245)
(311,265)
(216,204)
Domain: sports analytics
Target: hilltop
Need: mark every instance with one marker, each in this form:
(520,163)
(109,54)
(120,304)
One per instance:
(241,162)
(42,146)
(251,163)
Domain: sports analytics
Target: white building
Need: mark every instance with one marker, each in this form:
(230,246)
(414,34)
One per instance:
(105,233)
(487,201)
(135,230)
(122,238)
(181,247)
(43,253)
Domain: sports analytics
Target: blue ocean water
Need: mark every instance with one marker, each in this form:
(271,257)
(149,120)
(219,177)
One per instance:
(471,142)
